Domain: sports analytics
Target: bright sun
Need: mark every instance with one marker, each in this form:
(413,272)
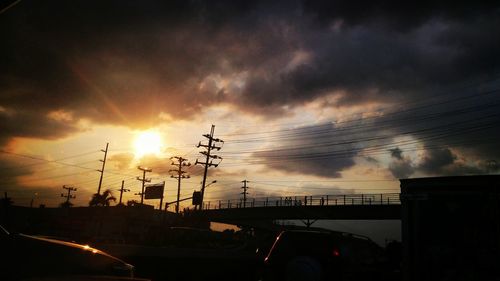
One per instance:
(147,142)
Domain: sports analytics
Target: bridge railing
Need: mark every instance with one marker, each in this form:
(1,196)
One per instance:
(312,200)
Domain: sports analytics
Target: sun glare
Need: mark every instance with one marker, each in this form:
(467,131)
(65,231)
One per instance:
(147,143)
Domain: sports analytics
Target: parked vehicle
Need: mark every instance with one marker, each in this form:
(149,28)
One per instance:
(30,257)
(322,255)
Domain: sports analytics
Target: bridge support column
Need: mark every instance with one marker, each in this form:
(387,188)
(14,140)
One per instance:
(308,222)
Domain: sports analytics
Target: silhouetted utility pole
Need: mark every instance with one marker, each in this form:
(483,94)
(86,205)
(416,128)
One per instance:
(209,158)
(68,196)
(121,192)
(143,180)
(102,169)
(179,174)
(33,199)
(245,187)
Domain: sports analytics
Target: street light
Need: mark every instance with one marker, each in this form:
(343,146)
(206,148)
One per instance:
(214,181)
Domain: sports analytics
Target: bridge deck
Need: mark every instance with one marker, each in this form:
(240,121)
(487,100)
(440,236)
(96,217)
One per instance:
(339,212)
(336,207)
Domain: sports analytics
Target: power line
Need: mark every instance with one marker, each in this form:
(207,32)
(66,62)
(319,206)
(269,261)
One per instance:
(44,160)
(443,94)
(437,132)
(327,128)
(9,6)
(385,115)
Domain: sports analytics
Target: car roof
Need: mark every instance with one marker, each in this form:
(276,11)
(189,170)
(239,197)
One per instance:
(70,244)
(327,232)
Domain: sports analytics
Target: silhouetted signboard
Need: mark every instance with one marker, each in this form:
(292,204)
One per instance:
(154,191)
(196,198)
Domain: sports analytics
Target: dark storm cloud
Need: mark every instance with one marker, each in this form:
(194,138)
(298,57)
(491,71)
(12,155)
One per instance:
(33,124)
(394,14)
(124,62)
(11,168)
(371,63)
(116,62)
(309,151)
(324,167)
(436,160)
(445,162)
(396,153)
(401,168)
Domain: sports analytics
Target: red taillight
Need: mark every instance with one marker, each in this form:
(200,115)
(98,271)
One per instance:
(336,253)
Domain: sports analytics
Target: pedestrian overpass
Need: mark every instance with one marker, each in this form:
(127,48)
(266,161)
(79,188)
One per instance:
(386,206)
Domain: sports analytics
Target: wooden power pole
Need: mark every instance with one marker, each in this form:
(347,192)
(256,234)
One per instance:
(179,174)
(143,180)
(121,192)
(212,144)
(68,195)
(245,187)
(102,169)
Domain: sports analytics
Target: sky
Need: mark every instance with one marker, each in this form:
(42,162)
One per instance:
(309,97)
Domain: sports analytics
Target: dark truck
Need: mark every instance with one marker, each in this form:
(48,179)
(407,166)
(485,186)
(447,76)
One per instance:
(323,255)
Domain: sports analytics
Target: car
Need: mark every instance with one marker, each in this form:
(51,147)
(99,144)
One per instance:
(323,255)
(27,257)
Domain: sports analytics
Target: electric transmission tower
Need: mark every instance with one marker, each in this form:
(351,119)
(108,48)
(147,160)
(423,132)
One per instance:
(179,174)
(212,144)
(245,193)
(143,180)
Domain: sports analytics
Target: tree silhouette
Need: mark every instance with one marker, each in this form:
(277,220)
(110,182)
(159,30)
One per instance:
(131,203)
(65,204)
(103,199)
